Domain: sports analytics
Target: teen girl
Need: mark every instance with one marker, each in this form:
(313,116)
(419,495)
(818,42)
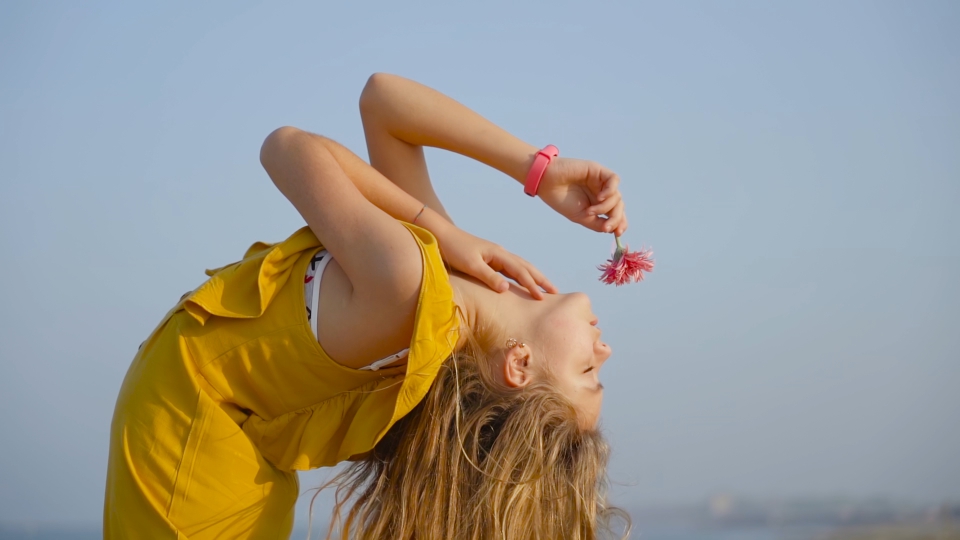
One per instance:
(467,405)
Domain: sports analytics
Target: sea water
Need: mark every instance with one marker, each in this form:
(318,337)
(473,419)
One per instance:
(753,533)
(55,532)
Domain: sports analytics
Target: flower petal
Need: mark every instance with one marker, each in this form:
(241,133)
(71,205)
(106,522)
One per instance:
(626,266)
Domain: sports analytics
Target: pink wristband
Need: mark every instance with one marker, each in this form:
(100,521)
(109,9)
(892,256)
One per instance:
(540,162)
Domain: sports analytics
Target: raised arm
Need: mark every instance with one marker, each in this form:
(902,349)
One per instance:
(401,116)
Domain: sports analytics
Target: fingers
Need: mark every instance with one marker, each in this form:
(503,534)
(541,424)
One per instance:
(521,271)
(609,204)
(541,279)
(513,268)
(594,223)
(617,219)
(492,278)
(614,222)
(622,227)
(523,277)
(606,206)
(529,277)
(611,186)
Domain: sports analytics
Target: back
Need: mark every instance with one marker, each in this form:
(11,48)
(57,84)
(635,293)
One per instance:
(232,393)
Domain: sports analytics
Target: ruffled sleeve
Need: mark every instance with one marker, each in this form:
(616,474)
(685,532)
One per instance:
(244,289)
(354,409)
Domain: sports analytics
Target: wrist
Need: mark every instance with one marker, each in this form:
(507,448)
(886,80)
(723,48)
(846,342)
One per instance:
(432,221)
(538,169)
(521,161)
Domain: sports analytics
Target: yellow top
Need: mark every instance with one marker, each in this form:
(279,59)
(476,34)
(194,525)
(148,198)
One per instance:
(232,393)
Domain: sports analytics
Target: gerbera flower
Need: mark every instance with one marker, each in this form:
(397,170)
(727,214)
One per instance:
(626,265)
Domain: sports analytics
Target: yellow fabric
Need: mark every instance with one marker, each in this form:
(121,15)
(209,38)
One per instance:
(232,394)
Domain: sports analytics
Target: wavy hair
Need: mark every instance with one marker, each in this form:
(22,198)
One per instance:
(476,460)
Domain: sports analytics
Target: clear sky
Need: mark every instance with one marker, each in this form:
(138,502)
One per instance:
(795,167)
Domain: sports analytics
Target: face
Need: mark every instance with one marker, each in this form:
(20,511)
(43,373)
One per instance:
(565,339)
(561,336)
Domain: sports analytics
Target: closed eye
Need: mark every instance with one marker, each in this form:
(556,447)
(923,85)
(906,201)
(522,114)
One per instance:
(589,369)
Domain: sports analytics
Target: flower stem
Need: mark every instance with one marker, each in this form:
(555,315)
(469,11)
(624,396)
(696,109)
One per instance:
(620,249)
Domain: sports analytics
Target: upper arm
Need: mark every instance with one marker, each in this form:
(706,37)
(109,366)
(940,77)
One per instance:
(403,163)
(379,256)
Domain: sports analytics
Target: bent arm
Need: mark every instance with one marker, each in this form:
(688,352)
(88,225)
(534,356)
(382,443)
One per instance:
(400,117)
(414,115)
(390,197)
(348,205)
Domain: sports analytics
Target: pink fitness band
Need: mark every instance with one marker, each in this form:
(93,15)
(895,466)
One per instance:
(540,162)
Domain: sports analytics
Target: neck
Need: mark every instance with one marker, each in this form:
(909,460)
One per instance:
(486,312)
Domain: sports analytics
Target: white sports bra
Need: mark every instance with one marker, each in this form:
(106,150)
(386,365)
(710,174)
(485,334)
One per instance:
(311,298)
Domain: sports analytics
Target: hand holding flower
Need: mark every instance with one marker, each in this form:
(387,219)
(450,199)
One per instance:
(585,192)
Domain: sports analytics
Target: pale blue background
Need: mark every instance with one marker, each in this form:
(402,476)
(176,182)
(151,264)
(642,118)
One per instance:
(794,167)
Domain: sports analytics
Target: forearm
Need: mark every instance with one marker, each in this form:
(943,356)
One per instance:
(402,163)
(421,116)
(383,193)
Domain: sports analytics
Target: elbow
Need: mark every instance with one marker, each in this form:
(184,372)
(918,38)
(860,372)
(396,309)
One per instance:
(276,144)
(285,142)
(377,86)
(288,151)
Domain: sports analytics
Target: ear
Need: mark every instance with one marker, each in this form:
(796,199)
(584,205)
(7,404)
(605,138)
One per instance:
(516,367)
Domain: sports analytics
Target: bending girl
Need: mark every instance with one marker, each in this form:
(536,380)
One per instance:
(467,405)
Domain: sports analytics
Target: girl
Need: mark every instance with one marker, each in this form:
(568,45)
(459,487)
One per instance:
(467,405)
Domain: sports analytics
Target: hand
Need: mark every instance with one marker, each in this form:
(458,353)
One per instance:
(586,193)
(486,261)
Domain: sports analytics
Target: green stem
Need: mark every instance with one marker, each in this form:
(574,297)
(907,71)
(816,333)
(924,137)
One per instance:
(620,249)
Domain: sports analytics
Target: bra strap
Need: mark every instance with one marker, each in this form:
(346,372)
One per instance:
(315,301)
(385,361)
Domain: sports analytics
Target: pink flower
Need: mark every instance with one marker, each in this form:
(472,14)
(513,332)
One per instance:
(626,265)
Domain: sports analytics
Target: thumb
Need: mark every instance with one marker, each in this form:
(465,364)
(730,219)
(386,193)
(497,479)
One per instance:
(594,223)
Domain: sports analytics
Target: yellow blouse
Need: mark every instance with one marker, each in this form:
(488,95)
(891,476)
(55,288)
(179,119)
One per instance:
(232,393)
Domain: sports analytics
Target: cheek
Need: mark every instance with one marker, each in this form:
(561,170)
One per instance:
(565,337)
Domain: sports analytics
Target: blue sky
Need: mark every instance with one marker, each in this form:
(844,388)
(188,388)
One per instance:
(795,168)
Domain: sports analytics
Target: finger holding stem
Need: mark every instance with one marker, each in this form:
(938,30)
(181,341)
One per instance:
(606,206)
(610,187)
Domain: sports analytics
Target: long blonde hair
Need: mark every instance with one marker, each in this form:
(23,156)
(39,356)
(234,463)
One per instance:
(476,460)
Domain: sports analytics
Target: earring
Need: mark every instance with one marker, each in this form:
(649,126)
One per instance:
(511,343)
